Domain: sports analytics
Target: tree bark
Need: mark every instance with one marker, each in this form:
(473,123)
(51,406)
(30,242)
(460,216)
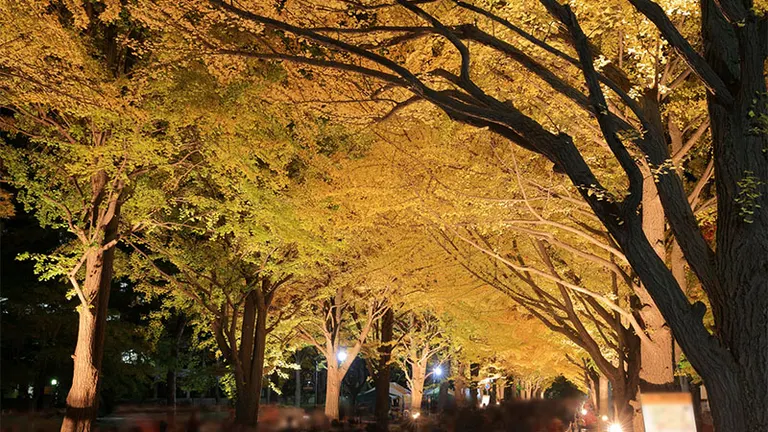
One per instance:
(82,400)
(383,376)
(459,383)
(332,392)
(249,365)
(602,395)
(417,386)
(171,375)
(739,399)
(499,386)
(474,371)
(170,379)
(297,391)
(656,351)
(83,397)
(442,396)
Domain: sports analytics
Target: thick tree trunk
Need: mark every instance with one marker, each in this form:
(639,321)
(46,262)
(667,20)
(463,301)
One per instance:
(82,400)
(602,395)
(499,386)
(417,386)
(474,371)
(460,384)
(170,379)
(259,349)
(83,397)
(473,396)
(383,376)
(624,397)
(442,396)
(171,375)
(332,392)
(297,391)
(246,407)
(656,352)
(735,365)
(251,362)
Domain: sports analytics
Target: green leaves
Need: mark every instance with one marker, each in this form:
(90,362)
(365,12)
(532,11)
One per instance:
(749,196)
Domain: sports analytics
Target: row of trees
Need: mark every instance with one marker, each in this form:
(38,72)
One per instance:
(619,134)
(254,161)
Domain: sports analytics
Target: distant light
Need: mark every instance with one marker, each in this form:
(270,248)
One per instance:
(54,382)
(342,355)
(583,411)
(415,415)
(438,371)
(614,428)
(604,418)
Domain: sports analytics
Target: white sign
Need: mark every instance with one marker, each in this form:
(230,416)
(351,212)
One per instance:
(668,412)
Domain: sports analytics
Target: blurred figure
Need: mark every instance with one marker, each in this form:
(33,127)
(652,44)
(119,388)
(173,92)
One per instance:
(193,424)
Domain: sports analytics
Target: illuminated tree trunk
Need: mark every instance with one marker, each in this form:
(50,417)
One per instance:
(603,408)
(83,397)
(247,360)
(499,387)
(656,351)
(297,390)
(332,391)
(383,376)
(251,360)
(418,373)
(459,383)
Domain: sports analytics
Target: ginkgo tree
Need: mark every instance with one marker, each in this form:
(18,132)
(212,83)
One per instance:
(85,152)
(418,346)
(339,325)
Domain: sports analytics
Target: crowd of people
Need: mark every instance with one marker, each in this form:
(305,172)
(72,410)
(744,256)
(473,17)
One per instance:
(512,416)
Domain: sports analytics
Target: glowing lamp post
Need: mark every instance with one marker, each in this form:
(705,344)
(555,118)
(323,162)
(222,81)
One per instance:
(438,371)
(341,356)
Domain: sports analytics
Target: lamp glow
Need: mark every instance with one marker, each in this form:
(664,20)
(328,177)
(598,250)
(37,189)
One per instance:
(604,418)
(583,411)
(438,371)
(341,355)
(614,428)
(415,415)
(54,382)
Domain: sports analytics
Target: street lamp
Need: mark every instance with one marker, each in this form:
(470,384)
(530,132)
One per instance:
(438,371)
(54,382)
(341,356)
(614,428)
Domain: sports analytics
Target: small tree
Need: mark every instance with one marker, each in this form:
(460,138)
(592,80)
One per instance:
(420,340)
(338,329)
